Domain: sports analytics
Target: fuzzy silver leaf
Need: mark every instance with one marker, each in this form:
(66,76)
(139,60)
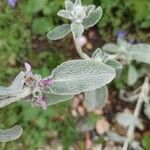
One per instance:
(96,98)
(76,76)
(59,32)
(93,18)
(11,134)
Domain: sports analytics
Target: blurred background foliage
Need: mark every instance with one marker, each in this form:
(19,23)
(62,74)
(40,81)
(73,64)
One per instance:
(23,38)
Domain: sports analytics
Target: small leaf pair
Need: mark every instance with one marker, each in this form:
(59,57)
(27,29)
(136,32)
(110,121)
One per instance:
(82,17)
(103,57)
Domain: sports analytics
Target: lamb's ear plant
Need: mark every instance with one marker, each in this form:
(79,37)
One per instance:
(97,97)
(69,78)
(139,52)
(89,75)
(81,17)
(132,121)
(84,17)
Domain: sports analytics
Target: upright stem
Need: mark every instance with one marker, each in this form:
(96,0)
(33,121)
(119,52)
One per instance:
(130,132)
(79,49)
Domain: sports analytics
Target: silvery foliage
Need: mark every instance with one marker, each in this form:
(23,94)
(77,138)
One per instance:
(76,76)
(132,75)
(13,133)
(128,96)
(115,137)
(133,96)
(135,145)
(139,52)
(82,17)
(69,78)
(104,57)
(121,139)
(127,119)
(131,121)
(98,98)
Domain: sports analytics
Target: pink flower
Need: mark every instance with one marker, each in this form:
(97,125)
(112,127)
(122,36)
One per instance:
(42,102)
(47,82)
(82,40)
(27,67)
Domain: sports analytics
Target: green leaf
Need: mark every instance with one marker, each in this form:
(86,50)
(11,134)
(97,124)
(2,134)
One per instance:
(91,119)
(76,76)
(93,18)
(34,6)
(77,30)
(10,134)
(30,114)
(41,25)
(132,75)
(140,52)
(146,142)
(59,32)
(54,99)
(96,98)
(145,24)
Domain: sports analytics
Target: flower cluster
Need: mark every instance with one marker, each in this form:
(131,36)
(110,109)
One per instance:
(37,84)
(26,85)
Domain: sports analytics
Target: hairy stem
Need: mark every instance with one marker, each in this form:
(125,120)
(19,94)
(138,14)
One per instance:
(79,49)
(130,132)
(26,92)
